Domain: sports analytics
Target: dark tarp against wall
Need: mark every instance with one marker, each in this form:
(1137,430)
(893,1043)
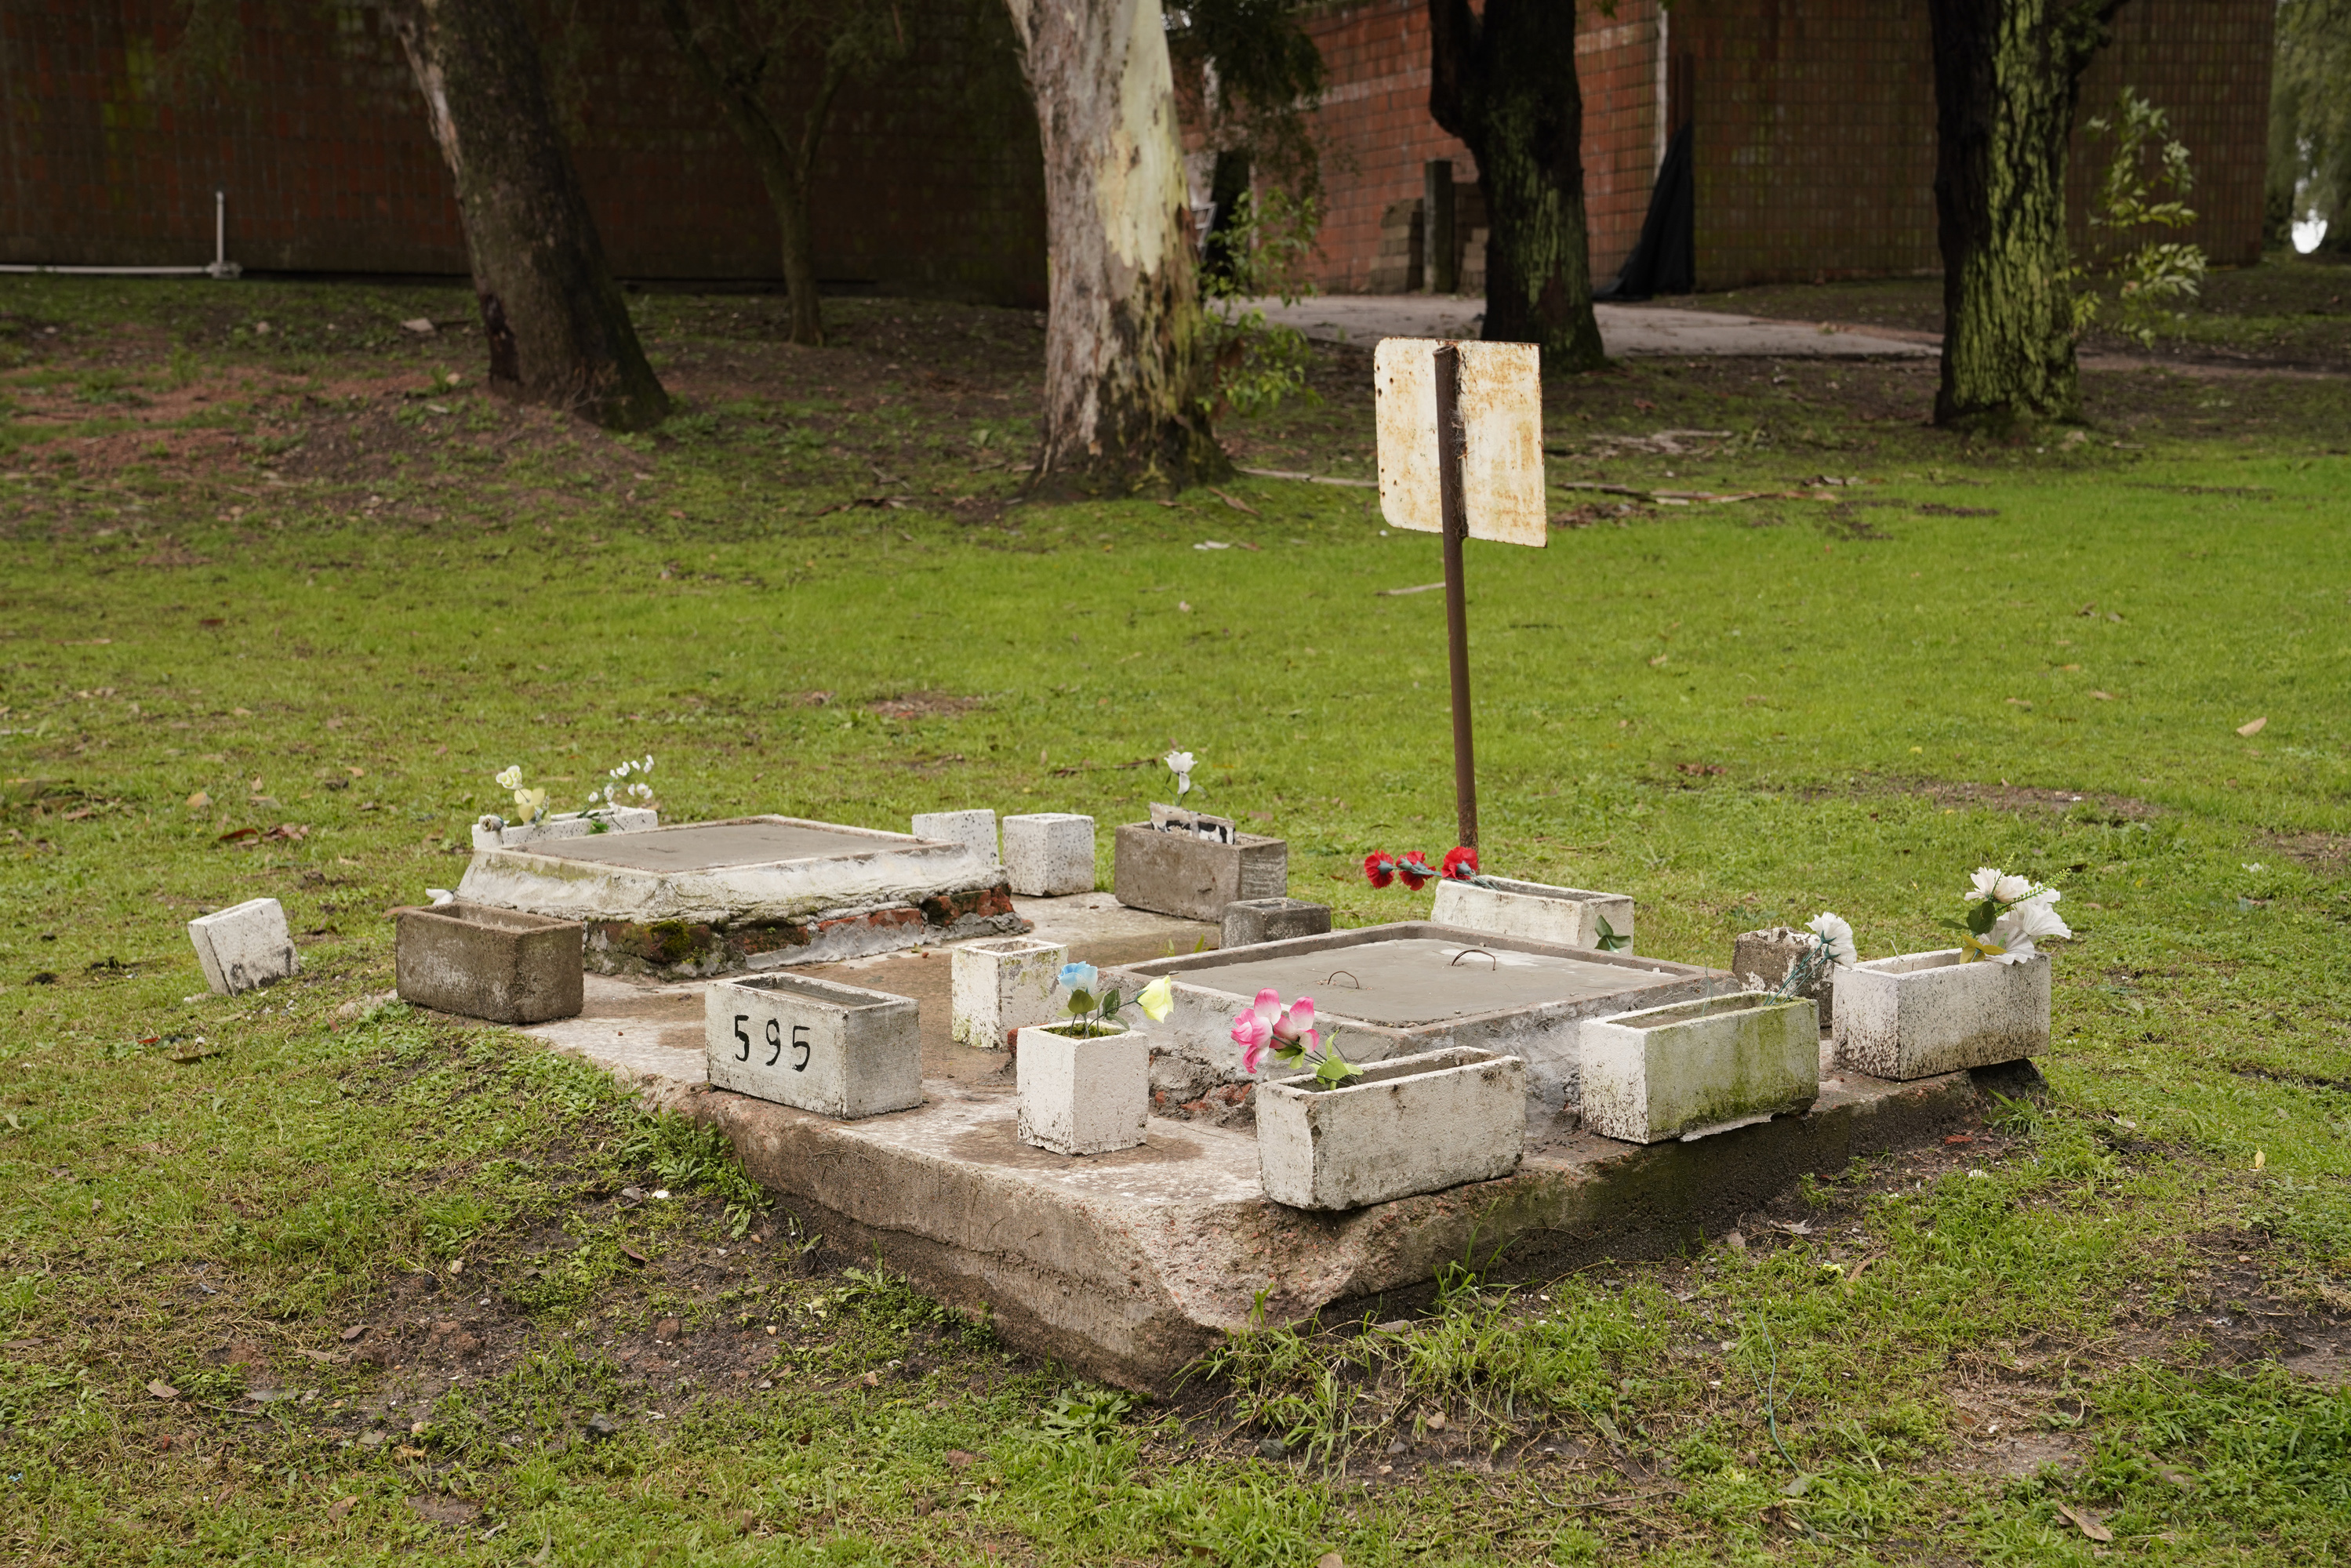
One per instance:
(1664,259)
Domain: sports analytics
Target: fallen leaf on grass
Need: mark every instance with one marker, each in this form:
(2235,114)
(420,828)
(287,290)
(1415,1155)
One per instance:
(339,1507)
(2104,696)
(290,832)
(958,1458)
(2252,726)
(160,1389)
(236,834)
(1961,1138)
(2177,1478)
(199,800)
(632,1254)
(1236,505)
(331,1357)
(1400,593)
(354,1332)
(2089,1523)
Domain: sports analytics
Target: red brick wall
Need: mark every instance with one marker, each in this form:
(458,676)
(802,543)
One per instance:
(930,182)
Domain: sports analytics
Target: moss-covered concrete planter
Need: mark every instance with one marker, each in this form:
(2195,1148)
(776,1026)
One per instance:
(1082,1096)
(1924,1013)
(1538,912)
(1418,1123)
(1699,1067)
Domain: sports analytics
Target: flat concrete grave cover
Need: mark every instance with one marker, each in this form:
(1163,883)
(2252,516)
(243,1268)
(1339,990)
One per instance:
(765,890)
(1391,990)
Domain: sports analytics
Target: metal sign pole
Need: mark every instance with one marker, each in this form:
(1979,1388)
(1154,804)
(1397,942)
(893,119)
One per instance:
(1451,437)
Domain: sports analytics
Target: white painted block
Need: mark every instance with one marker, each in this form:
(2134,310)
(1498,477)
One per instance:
(1048,854)
(567,825)
(1002,986)
(839,1050)
(1694,1068)
(245,946)
(977,829)
(1535,911)
(1924,1013)
(1416,1124)
(1083,1096)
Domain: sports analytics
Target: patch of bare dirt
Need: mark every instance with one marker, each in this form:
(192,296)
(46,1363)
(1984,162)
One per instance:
(2328,853)
(923,704)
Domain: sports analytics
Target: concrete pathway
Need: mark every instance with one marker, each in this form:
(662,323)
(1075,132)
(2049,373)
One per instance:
(1628,331)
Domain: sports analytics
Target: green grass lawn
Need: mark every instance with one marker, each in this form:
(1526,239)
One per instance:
(302,584)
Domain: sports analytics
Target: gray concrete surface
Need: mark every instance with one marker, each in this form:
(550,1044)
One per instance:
(1628,331)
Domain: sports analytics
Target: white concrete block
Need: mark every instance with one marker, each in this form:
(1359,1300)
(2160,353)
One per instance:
(1083,1096)
(977,829)
(245,946)
(567,825)
(1924,1013)
(1534,911)
(999,987)
(1415,1123)
(1694,1068)
(839,1050)
(1049,855)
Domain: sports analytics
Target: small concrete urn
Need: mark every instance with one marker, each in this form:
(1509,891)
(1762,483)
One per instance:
(1413,1124)
(1083,1094)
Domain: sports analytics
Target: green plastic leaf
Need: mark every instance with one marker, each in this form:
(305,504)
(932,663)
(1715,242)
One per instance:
(1110,1005)
(1081,1002)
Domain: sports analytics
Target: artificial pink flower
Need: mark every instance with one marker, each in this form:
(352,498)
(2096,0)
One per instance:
(1461,862)
(1297,1022)
(1251,1055)
(1250,1032)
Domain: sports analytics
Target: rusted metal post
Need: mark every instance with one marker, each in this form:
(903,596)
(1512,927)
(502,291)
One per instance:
(1455,515)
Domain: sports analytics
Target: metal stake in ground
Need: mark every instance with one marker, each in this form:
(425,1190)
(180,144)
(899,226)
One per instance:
(1461,456)
(1454,512)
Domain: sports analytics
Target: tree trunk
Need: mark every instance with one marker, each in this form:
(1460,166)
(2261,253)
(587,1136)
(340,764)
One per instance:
(1506,84)
(2007,76)
(559,330)
(1126,377)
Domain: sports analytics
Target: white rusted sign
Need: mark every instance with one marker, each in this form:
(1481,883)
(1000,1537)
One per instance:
(1501,417)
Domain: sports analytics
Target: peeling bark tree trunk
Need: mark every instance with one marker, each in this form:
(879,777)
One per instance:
(2007,76)
(1126,377)
(1505,83)
(559,330)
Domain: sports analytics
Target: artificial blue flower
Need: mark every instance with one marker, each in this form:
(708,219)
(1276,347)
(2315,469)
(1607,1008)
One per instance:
(1079,977)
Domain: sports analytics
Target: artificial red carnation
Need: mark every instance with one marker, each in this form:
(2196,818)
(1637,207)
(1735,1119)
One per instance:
(1415,870)
(1461,862)
(1379,868)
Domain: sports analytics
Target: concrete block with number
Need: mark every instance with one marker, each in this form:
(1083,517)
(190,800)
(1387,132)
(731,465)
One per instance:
(245,946)
(1002,986)
(480,961)
(1247,922)
(839,1050)
(1050,855)
(977,829)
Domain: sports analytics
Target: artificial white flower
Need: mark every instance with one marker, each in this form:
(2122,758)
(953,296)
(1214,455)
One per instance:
(1181,764)
(511,778)
(2016,932)
(1836,934)
(440,896)
(2013,889)
(1986,883)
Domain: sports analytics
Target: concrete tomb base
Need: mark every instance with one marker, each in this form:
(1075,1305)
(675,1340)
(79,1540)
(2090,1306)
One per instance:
(1924,1013)
(481,962)
(977,829)
(245,946)
(753,893)
(1568,917)
(1245,922)
(1412,1124)
(1179,873)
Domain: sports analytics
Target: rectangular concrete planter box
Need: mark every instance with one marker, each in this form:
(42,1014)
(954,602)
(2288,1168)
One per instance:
(245,946)
(1418,1123)
(1083,1096)
(1245,922)
(567,825)
(1569,917)
(1924,1013)
(482,962)
(1002,986)
(839,1050)
(1175,874)
(1699,1067)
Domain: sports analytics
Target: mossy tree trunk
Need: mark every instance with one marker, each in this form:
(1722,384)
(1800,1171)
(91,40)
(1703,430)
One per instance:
(1506,84)
(2007,76)
(559,330)
(1126,373)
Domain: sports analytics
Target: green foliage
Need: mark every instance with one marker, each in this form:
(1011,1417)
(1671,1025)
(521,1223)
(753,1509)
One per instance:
(2310,121)
(2144,188)
(1266,241)
(691,1155)
(1084,1413)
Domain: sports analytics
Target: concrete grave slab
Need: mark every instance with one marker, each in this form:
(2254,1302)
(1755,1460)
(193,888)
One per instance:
(1129,1264)
(839,1050)
(479,961)
(1050,854)
(245,946)
(753,893)
(567,825)
(1383,991)
(1178,873)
